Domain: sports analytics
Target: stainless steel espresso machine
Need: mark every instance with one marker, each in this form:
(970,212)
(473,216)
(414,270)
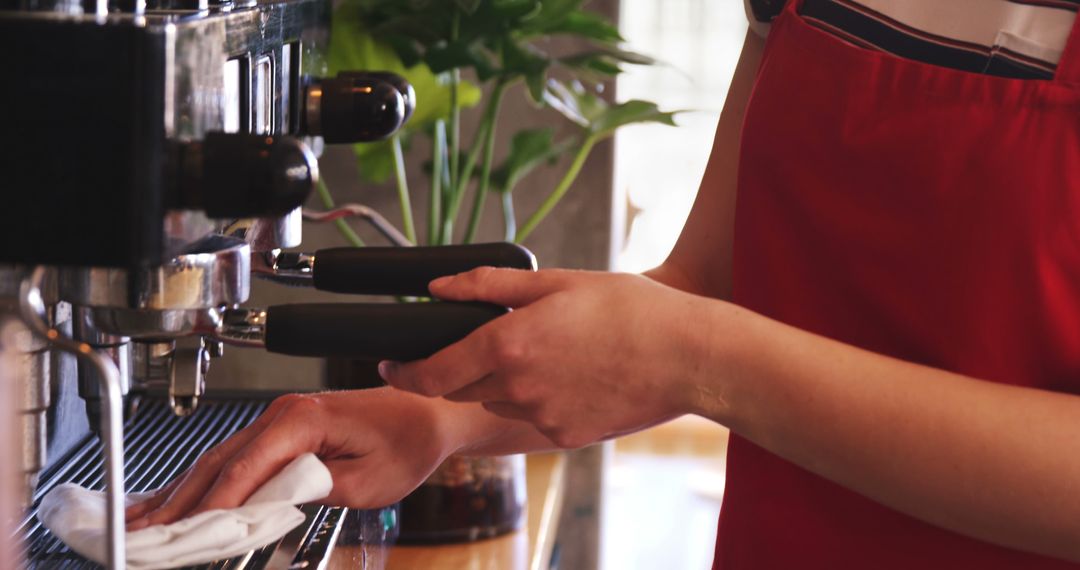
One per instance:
(157,155)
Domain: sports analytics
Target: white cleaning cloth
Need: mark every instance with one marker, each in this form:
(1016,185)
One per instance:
(77,516)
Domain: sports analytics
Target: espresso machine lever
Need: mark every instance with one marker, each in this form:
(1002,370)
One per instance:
(386,270)
(364,331)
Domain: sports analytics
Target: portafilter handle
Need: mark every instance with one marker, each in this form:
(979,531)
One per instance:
(388,270)
(363,331)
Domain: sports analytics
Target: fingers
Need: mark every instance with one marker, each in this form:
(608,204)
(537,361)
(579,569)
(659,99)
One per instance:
(493,346)
(508,287)
(174,501)
(155,500)
(178,498)
(267,454)
(448,370)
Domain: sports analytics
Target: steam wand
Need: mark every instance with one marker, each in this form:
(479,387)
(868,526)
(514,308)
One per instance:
(32,309)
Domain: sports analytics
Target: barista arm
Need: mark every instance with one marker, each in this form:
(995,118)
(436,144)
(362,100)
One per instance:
(378,444)
(700,263)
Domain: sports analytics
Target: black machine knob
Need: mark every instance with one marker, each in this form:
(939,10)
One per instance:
(354,107)
(408,94)
(231,175)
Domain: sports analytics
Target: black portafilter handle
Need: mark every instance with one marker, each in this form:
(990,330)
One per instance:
(408,270)
(386,331)
(238,175)
(352,108)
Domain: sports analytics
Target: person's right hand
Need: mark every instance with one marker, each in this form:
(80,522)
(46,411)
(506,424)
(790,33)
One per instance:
(378,444)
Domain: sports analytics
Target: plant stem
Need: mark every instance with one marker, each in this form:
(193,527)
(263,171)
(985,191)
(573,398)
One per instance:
(342,226)
(559,191)
(455,108)
(489,154)
(509,222)
(403,190)
(435,201)
(479,138)
(458,191)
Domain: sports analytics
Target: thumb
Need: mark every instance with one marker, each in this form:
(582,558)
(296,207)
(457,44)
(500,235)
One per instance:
(508,287)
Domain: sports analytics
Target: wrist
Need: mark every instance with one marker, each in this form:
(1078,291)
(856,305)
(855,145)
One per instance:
(724,348)
(461,427)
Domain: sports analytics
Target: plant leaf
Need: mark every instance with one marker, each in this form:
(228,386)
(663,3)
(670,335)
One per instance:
(580,23)
(573,101)
(634,111)
(494,18)
(597,63)
(445,57)
(609,52)
(516,9)
(528,149)
(374,161)
(551,13)
(597,116)
(524,60)
(468,6)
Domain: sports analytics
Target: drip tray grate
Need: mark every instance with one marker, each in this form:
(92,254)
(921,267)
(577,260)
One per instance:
(158,447)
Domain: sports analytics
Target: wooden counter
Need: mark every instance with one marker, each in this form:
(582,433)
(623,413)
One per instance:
(526,549)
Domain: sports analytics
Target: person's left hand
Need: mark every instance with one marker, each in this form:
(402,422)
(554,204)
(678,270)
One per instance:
(584,356)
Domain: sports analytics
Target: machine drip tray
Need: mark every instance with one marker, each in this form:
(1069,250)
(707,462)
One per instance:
(158,447)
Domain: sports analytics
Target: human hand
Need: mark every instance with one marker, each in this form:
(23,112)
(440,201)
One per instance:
(584,356)
(378,445)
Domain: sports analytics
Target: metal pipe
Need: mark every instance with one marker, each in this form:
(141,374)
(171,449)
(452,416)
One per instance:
(32,309)
(365,213)
(33,398)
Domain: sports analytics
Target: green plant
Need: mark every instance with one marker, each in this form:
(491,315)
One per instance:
(433,43)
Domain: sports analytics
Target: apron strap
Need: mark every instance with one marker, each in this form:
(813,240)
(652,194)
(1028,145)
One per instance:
(1068,69)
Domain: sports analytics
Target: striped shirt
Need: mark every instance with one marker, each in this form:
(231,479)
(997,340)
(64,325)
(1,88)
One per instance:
(1022,39)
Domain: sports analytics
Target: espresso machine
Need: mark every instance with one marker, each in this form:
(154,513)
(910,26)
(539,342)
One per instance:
(158,154)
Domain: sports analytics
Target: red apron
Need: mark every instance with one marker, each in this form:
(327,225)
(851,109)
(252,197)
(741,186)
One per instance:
(917,211)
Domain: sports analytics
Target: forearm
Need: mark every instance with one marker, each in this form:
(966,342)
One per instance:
(472,430)
(992,461)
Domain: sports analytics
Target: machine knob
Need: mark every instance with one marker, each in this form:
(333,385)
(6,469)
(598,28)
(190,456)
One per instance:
(408,94)
(352,108)
(232,175)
